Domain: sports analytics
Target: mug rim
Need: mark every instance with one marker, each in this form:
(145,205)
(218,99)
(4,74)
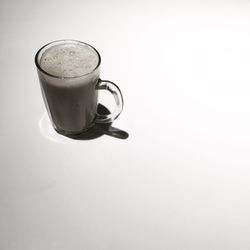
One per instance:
(61,42)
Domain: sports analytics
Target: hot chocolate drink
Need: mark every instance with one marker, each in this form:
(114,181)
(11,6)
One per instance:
(68,87)
(69,73)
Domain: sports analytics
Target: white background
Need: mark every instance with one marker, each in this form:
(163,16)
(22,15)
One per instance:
(181,180)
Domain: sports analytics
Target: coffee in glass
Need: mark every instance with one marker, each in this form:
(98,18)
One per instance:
(69,74)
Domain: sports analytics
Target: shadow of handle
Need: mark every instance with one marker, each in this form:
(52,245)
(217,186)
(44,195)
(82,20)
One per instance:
(115,132)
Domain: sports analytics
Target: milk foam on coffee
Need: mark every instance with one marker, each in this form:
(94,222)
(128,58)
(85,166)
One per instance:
(69,60)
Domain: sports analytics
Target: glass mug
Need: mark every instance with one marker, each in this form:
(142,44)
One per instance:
(69,74)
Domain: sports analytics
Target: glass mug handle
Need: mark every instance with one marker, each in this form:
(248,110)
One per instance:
(116,92)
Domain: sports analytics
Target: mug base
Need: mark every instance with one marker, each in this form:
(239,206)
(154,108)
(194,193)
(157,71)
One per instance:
(74,134)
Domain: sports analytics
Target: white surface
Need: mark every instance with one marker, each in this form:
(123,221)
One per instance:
(181,180)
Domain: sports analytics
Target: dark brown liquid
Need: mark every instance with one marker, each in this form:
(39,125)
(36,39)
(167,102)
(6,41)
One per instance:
(71,103)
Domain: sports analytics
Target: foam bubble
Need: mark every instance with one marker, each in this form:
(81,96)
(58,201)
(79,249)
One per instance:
(69,60)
